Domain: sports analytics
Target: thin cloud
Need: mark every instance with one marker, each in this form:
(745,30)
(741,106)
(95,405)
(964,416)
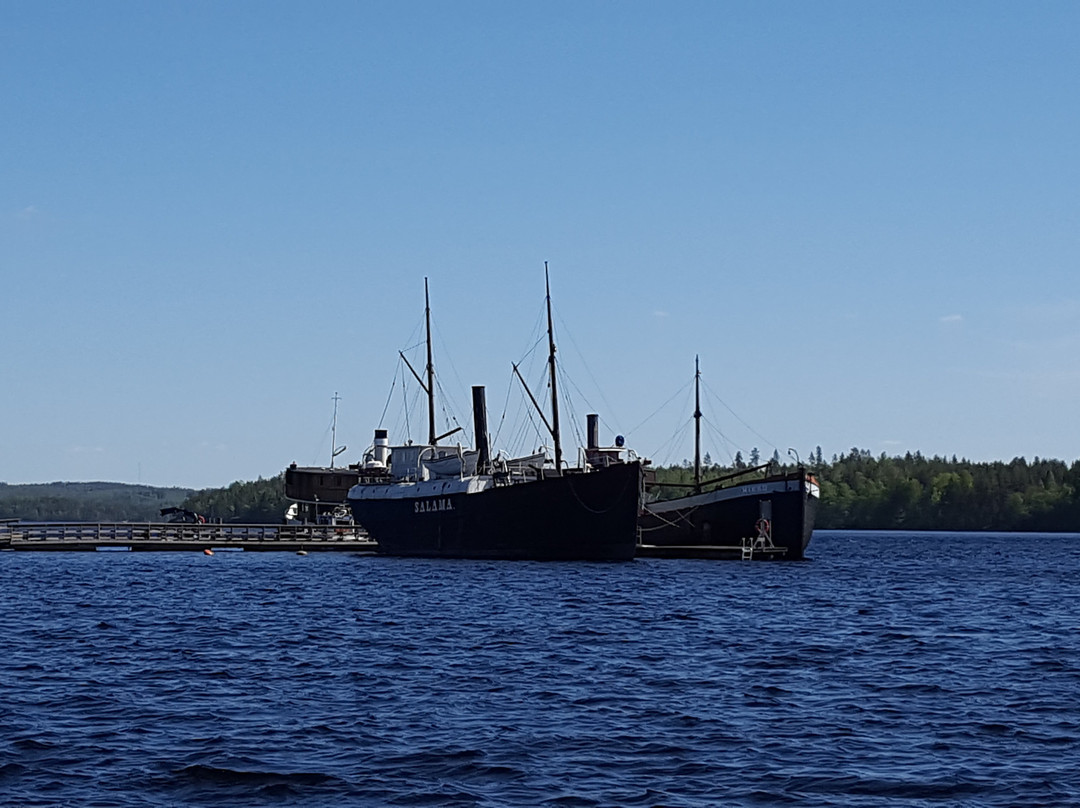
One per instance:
(951,318)
(659,314)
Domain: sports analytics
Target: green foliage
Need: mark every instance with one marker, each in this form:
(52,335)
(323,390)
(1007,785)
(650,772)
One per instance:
(913,492)
(258,502)
(87,502)
(858,492)
(862,492)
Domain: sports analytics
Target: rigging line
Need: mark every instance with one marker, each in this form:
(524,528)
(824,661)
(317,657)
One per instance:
(419,406)
(737,416)
(322,443)
(449,419)
(393,384)
(570,334)
(658,409)
(461,389)
(417,330)
(568,383)
(724,443)
(444,400)
(540,333)
(529,352)
(575,426)
(539,330)
(506,407)
(319,451)
(532,420)
(524,419)
(665,453)
(577,423)
(683,426)
(716,430)
(405,404)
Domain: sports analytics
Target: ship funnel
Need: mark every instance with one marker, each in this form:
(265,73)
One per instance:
(382,446)
(480,430)
(593,430)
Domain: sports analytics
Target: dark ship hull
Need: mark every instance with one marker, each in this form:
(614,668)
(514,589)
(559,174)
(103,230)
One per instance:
(574,517)
(769,518)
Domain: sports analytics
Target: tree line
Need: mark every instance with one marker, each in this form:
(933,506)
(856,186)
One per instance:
(913,492)
(859,491)
(254,502)
(87,502)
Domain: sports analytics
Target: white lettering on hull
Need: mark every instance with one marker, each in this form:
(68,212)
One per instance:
(436,505)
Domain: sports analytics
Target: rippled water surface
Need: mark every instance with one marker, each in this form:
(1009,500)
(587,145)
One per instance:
(890,669)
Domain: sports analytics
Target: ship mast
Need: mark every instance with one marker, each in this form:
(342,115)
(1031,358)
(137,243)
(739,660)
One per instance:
(334,449)
(429,386)
(551,366)
(432,439)
(697,425)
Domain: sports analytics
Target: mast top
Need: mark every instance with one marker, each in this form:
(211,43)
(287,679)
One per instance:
(551,370)
(697,424)
(432,437)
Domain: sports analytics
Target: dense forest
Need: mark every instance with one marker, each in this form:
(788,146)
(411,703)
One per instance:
(913,492)
(858,492)
(258,502)
(87,502)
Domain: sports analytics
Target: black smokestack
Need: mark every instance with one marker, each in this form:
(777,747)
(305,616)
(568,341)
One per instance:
(480,429)
(593,430)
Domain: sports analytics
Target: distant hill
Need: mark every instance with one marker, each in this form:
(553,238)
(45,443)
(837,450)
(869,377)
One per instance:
(87,502)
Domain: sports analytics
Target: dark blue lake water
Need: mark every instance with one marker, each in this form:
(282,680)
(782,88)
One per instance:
(906,670)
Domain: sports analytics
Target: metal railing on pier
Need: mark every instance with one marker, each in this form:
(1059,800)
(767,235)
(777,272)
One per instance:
(18,535)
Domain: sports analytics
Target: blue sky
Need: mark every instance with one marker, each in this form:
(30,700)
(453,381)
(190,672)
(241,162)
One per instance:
(864,217)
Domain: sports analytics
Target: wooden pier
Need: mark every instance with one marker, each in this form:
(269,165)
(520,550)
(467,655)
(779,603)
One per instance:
(716,552)
(17,535)
(164,536)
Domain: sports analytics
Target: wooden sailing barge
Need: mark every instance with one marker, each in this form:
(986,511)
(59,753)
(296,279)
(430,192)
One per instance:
(770,517)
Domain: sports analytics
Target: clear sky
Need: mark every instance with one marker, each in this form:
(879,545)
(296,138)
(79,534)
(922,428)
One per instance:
(864,217)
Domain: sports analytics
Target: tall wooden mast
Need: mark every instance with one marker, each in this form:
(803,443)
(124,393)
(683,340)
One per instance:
(430,369)
(335,450)
(551,369)
(697,425)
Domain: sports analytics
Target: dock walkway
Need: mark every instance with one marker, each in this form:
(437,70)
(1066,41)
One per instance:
(17,535)
(163,536)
